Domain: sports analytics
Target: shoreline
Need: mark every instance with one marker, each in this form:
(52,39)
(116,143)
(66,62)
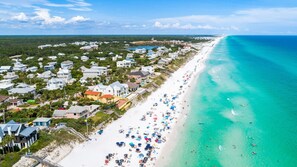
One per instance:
(154,111)
(179,126)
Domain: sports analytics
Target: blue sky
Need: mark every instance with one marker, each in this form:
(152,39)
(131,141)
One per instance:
(33,17)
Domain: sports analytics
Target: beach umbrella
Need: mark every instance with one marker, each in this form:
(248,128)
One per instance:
(131,144)
(140,155)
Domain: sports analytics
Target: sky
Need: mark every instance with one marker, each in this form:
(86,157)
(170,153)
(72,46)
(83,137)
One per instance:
(83,17)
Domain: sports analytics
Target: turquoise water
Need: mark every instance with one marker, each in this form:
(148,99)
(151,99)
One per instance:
(244,108)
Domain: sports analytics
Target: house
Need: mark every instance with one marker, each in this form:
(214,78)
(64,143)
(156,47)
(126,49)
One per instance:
(18,66)
(107,98)
(89,48)
(52,57)
(84,58)
(132,86)
(6,84)
(140,51)
(92,95)
(42,122)
(94,71)
(30,58)
(45,75)
(76,112)
(125,63)
(55,83)
(5,69)
(10,76)
(61,54)
(173,55)
(4,99)
(164,61)
(32,69)
(67,64)
(58,114)
(16,102)
(123,104)
(22,89)
(149,69)
(114,58)
(40,59)
(30,76)
(102,58)
(129,56)
(115,89)
(24,136)
(141,77)
(64,74)
(49,67)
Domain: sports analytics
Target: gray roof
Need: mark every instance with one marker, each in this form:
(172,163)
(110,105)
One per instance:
(13,127)
(76,109)
(28,131)
(42,119)
(59,113)
(140,73)
(21,90)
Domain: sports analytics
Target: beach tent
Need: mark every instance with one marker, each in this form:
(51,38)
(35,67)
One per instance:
(132,144)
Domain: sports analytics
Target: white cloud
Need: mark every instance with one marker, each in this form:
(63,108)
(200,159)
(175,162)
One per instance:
(20,17)
(77,19)
(238,20)
(45,18)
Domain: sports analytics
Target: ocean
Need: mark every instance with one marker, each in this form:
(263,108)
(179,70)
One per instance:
(244,107)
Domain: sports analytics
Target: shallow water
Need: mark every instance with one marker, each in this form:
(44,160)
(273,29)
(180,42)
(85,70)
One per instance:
(243,110)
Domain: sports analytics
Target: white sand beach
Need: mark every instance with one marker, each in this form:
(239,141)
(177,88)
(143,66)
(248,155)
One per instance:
(145,131)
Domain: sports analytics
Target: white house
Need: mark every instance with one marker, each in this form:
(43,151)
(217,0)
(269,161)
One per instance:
(52,57)
(64,74)
(84,58)
(114,58)
(22,89)
(6,84)
(67,64)
(115,89)
(173,55)
(18,66)
(149,69)
(129,56)
(125,63)
(94,71)
(55,83)
(32,69)
(5,69)
(10,76)
(45,75)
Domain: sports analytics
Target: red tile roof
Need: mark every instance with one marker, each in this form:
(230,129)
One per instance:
(121,102)
(89,92)
(107,96)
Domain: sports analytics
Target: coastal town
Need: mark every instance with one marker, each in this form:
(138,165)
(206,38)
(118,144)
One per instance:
(77,88)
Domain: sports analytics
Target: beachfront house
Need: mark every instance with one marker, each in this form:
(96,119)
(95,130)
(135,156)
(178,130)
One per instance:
(115,89)
(76,112)
(164,61)
(55,84)
(132,86)
(94,71)
(140,77)
(10,76)
(64,74)
(6,84)
(42,122)
(22,89)
(5,69)
(126,63)
(23,136)
(18,66)
(149,69)
(67,64)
